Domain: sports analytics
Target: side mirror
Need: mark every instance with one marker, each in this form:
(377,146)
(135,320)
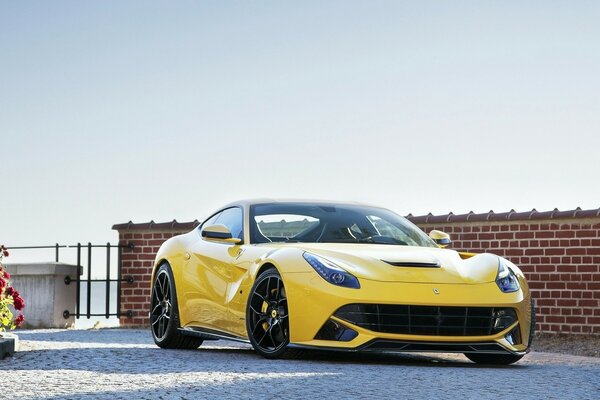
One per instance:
(219,233)
(442,239)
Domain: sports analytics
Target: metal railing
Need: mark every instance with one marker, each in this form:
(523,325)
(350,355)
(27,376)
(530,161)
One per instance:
(88,282)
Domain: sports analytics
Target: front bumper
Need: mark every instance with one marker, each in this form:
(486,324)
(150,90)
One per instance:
(312,302)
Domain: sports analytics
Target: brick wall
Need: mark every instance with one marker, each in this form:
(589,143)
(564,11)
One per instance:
(559,252)
(138,263)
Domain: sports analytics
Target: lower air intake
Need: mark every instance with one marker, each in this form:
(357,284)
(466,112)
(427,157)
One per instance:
(428,320)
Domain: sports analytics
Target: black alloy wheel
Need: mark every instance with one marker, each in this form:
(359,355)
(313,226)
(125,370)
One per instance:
(164,314)
(267,319)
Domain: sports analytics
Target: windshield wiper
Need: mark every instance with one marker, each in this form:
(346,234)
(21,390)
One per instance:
(381,240)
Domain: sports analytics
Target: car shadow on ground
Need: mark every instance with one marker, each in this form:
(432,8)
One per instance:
(137,338)
(212,358)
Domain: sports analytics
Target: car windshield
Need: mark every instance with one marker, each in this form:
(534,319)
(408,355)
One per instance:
(332,223)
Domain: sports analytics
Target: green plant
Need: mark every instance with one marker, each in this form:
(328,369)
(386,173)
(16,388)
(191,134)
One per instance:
(9,297)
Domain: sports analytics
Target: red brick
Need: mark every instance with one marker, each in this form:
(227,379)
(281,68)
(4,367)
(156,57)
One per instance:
(574,251)
(545,268)
(545,302)
(566,303)
(588,233)
(524,235)
(555,285)
(593,286)
(544,234)
(575,320)
(576,286)
(565,234)
(587,268)
(504,235)
(514,252)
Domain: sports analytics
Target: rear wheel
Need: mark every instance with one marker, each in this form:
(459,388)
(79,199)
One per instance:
(164,314)
(267,319)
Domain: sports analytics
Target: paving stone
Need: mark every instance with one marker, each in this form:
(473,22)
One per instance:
(125,364)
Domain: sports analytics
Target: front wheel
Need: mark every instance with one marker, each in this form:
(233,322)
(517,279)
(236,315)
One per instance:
(267,319)
(504,359)
(493,359)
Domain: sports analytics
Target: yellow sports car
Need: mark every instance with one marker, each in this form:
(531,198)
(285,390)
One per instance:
(292,275)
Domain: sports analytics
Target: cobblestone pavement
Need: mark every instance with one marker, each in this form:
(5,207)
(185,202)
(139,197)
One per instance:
(125,364)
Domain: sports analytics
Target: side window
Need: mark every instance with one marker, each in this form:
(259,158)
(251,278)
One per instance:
(211,220)
(232,219)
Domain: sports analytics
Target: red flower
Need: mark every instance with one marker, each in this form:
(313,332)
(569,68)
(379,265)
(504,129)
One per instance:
(19,320)
(6,275)
(2,283)
(19,303)
(15,293)
(10,291)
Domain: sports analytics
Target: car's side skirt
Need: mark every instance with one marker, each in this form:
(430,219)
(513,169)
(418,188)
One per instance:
(210,334)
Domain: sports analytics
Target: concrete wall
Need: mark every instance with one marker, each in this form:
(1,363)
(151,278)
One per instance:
(46,295)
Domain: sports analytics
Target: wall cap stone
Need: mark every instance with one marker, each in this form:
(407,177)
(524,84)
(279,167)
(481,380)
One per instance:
(41,268)
(156,225)
(511,215)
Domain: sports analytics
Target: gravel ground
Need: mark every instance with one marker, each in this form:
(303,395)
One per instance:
(578,345)
(125,364)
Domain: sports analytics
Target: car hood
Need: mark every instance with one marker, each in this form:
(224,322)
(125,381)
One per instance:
(406,263)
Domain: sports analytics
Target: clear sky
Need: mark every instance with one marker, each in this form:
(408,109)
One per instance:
(113,111)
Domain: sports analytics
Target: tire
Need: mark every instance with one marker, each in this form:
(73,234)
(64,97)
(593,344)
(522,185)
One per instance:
(164,313)
(267,318)
(504,359)
(532,325)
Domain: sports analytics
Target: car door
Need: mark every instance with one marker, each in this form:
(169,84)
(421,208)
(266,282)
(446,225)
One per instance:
(209,273)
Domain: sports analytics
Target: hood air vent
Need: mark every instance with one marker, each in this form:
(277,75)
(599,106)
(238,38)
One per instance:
(413,264)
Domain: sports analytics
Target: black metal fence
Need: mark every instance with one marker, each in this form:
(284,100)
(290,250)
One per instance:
(86,310)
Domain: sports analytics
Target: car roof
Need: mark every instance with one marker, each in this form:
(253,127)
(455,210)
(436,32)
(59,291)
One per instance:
(249,202)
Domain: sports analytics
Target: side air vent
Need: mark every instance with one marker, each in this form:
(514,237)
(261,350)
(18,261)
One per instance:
(413,264)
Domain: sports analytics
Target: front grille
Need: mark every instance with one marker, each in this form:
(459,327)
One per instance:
(428,320)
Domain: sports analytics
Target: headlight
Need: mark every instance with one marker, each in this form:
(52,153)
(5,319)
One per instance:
(506,279)
(331,272)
